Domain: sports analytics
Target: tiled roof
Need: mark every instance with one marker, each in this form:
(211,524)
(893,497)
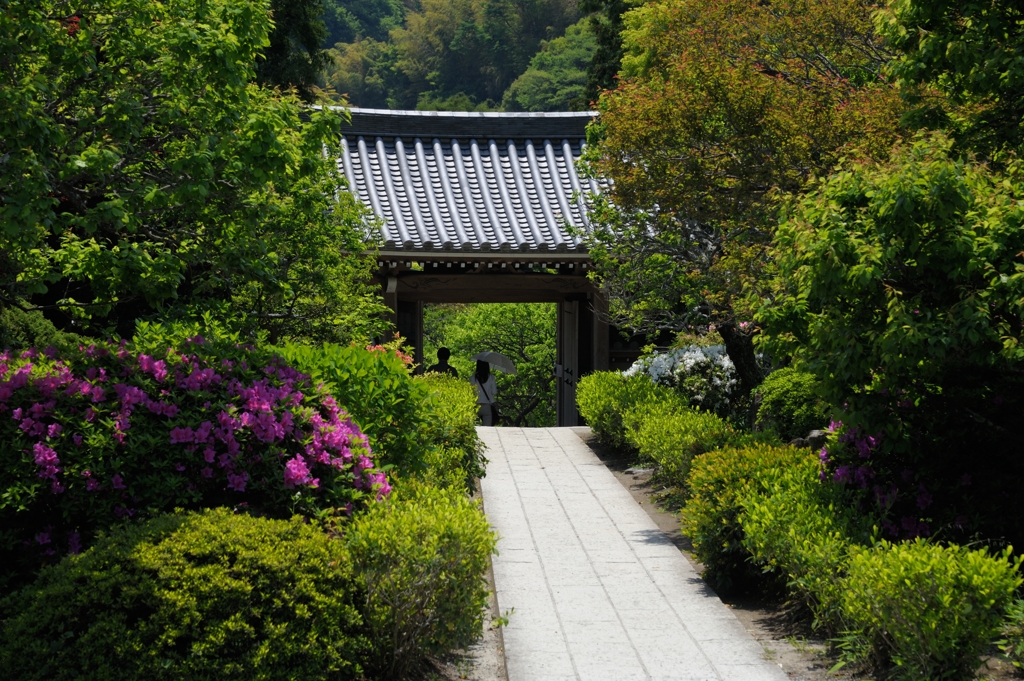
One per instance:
(468,181)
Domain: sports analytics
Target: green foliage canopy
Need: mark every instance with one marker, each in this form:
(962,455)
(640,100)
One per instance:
(606,22)
(901,275)
(348,20)
(557,76)
(721,108)
(141,172)
(293,57)
(445,54)
(973,52)
(904,295)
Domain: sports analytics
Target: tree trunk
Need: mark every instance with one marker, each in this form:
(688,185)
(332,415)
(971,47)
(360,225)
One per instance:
(739,345)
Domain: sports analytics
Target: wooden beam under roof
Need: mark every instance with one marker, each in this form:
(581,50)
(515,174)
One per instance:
(489,288)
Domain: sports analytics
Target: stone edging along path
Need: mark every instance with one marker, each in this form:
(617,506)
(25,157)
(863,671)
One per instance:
(596,591)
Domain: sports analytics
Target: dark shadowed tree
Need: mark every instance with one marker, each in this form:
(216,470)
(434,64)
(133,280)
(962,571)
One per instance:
(294,58)
(606,24)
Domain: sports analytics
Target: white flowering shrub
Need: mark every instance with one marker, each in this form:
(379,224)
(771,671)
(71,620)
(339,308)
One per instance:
(705,376)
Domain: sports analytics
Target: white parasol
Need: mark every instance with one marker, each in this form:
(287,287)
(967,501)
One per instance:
(496,360)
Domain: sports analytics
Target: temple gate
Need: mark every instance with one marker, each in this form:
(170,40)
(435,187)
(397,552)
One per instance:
(484,208)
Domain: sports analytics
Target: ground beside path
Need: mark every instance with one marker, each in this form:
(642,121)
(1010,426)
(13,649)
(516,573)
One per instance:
(595,589)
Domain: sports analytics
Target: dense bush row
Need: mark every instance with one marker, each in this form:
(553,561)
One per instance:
(631,411)
(768,516)
(101,443)
(604,397)
(918,609)
(218,595)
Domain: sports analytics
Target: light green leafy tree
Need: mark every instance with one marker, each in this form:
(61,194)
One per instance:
(722,107)
(961,67)
(523,332)
(142,174)
(556,79)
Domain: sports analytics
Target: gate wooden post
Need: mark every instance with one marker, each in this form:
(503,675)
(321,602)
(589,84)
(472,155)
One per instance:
(567,368)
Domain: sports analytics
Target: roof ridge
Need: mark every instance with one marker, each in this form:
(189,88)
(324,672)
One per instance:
(556,125)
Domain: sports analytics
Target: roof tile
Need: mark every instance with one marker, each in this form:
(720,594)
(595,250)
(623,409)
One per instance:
(469,181)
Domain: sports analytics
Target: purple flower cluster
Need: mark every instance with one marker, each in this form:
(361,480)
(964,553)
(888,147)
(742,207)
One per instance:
(847,462)
(110,432)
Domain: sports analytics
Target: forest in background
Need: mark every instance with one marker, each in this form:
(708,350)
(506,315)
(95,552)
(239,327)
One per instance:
(512,55)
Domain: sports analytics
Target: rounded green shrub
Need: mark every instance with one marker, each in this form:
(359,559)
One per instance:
(604,397)
(671,435)
(20,330)
(210,595)
(421,556)
(449,427)
(925,611)
(791,404)
(800,529)
(718,483)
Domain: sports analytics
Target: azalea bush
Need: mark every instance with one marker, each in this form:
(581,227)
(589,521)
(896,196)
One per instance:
(407,418)
(109,432)
(704,375)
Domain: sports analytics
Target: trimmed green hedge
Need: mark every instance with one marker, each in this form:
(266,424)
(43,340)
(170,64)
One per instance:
(718,484)
(200,596)
(421,558)
(672,435)
(909,611)
(800,530)
(604,397)
(22,330)
(922,610)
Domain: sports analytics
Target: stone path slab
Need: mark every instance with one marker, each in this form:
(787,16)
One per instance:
(598,591)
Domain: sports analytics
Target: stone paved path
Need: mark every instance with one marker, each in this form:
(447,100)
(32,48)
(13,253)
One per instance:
(599,591)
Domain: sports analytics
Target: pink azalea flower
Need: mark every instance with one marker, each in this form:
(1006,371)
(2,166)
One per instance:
(296,472)
(237,482)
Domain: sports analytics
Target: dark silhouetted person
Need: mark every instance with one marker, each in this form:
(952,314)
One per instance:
(442,366)
(486,391)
